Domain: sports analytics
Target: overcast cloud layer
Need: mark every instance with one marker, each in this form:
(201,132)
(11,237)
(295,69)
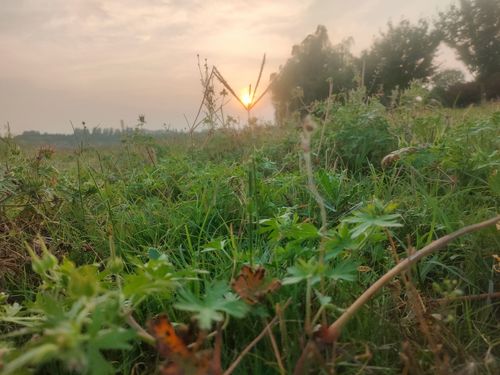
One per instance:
(100,61)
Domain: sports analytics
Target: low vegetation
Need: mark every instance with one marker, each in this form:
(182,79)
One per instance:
(235,251)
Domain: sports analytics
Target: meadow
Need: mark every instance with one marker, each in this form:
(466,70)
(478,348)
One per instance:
(236,251)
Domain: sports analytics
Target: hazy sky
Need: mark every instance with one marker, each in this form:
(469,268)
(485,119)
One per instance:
(100,61)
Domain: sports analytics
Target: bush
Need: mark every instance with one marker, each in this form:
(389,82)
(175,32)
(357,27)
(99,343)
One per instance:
(358,133)
(465,94)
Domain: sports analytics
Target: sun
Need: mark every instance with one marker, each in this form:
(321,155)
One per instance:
(246,99)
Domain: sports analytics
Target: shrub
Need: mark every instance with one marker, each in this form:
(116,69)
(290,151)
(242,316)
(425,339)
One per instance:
(358,133)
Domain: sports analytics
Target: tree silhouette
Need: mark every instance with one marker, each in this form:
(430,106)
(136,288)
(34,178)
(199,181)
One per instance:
(473,30)
(304,77)
(403,53)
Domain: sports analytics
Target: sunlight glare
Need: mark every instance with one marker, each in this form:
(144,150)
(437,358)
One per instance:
(246,99)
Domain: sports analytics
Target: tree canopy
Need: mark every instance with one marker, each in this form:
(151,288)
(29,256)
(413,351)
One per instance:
(403,53)
(473,30)
(304,77)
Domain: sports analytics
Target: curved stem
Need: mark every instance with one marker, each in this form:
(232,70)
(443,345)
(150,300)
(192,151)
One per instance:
(334,330)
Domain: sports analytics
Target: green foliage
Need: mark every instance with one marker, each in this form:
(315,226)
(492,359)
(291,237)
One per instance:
(403,53)
(216,301)
(304,77)
(358,133)
(76,315)
(472,30)
(95,238)
(374,216)
(448,78)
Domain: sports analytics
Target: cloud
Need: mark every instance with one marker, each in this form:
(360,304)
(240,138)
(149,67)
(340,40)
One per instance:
(140,55)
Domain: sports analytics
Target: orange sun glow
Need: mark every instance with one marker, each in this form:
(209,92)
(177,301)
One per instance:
(246,99)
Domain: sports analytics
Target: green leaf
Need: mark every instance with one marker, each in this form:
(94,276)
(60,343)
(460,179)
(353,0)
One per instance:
(303,231)
(115,338)
(374,215)
(153,253)
(346,270)
(339,241)
(37,355)
(210,308)
(97,363)
(304,271)
(323,300)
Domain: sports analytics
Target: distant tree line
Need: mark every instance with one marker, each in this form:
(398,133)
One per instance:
(95,136)
(405,52)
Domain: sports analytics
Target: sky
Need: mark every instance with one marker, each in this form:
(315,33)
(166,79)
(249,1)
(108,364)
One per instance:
(102,61)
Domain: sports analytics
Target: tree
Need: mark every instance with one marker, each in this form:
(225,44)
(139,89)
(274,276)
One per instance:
(473,30)
(304,77)
(403,53)
(448,78)
(450,88)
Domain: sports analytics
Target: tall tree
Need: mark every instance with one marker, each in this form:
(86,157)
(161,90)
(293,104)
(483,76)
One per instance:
(473,30)
(403,53)
(312,64)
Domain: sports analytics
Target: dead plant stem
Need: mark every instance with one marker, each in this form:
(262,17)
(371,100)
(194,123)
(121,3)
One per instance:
(334,330)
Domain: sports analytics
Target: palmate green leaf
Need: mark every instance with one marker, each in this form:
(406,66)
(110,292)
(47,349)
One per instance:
(303,270)
(302,232)
(114,338)
(339,241)
(312,271)
(374,215)
(155,276)
(277,227)
(366,221)
(345,270)
(217,300)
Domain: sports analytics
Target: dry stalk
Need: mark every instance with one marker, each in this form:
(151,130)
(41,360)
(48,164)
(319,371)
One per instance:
(311,351)
(474,297)
(141,332)
(217,354)
(259,77)
(327,113)
(308,128)
(276,350)
(254,342)
(417,306)
(335,329)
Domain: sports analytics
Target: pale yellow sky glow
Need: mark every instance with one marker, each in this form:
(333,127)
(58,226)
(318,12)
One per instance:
(100,61)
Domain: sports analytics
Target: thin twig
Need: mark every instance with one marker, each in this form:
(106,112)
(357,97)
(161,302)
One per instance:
(301,362)
(475,297)
(334,330)
(141,332)
(276,350)
(219,76)
(327,113)
(261,95)
(216,359)
(258,79)
(205,91)
(254,342)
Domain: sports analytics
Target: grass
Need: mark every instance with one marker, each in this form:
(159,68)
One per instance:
(162,227)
